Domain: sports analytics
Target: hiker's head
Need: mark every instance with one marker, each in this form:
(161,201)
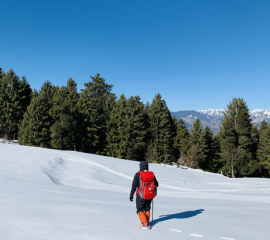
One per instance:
(143,166)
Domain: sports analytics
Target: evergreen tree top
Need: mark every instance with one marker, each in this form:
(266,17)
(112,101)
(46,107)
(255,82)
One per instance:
(196,132)
(182,123)
(263,126)
(71,84)
(97,87)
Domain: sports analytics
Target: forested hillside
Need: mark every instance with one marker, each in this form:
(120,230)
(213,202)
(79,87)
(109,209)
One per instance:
(96,121)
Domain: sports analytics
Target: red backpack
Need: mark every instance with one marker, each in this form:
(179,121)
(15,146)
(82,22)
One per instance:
(147,189)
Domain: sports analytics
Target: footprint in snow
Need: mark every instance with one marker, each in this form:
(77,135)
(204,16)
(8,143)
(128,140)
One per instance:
(175,230)
(195,235)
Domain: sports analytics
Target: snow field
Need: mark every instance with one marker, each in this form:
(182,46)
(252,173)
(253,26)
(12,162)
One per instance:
(52,194)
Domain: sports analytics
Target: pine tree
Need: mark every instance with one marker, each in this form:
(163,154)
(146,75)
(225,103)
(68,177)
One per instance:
(25,93)
(64,112)
(148,130)
(197,145)
(35,127)
(209,149)
(127,134)
(263,126)
(160,148)
(134,142)
(92,106)
(14,98)
(255,140)
(109,106)
(236,142)
(216,164)
(181,140)
(228,143)
(116,128)
(264,151)
(35,93)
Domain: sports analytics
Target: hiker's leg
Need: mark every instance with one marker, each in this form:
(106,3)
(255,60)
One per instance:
(140,204)
(147,210)
(147,214)
(148,205)
(142,218)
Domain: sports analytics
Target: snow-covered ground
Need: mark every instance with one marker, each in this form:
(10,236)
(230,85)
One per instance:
(64,195)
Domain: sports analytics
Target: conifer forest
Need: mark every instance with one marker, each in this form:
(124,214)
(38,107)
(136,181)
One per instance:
(95,121)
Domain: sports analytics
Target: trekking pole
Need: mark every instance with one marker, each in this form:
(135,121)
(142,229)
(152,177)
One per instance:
(152,209)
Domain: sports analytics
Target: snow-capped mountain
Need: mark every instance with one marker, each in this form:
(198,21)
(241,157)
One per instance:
(258,115)
(213,112)
(213,117)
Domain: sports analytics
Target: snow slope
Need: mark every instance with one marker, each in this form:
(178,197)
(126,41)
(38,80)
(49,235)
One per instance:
(64,195)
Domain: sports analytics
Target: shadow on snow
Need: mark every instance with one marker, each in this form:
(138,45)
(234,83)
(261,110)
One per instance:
(181,215)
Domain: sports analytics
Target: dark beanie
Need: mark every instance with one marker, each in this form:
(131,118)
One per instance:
(143,166)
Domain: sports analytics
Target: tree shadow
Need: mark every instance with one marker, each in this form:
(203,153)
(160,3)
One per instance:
(181,215)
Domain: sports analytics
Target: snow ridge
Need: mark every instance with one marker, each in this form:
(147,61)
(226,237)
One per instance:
(258,113)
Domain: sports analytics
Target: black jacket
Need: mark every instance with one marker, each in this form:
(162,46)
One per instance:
(136,184)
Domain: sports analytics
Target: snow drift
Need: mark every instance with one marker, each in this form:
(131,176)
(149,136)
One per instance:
(52,194)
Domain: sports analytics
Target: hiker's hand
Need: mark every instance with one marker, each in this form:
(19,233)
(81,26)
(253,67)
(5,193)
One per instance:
(131,199)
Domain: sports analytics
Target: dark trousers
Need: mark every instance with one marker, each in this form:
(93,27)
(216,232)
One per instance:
(142,204)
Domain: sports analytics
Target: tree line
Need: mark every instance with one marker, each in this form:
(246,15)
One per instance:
(96,121)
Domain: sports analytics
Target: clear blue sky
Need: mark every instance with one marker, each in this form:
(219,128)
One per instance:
(197,54)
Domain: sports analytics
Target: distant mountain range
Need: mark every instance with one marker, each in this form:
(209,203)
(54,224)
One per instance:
(213,117)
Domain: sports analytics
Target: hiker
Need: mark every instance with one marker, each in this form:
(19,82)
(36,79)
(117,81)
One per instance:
(144,194)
